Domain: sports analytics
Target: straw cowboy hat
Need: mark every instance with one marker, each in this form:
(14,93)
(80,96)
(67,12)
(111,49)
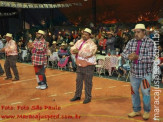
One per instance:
(41,32)
(30,41)
(139,26)
(9,35)
(88,30)
(71,43)
(63,44)
(54,42)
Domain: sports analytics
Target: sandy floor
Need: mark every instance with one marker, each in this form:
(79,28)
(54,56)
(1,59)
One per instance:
(22,102)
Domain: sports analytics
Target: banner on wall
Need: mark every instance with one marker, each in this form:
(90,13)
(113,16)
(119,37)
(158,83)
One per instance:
(33,5)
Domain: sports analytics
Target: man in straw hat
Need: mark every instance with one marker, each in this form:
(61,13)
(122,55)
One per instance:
(54,47)
(11,58)
(85,50)
(110,43)
(141,52)
(39,58)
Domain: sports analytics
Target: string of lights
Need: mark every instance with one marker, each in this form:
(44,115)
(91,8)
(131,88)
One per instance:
(34,5)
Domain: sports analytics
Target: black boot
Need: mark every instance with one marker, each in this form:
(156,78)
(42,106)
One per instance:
(86,101)
(75,99)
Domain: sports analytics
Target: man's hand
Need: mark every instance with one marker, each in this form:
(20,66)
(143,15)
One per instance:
(75,51)
(2,50)
(133,56)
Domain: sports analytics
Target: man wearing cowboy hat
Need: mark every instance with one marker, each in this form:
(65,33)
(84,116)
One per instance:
(141,52)
(54,47)
(39,58)
(11,58)
(85,50)
(110,43)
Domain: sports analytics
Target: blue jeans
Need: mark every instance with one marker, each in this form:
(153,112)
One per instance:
(145,84)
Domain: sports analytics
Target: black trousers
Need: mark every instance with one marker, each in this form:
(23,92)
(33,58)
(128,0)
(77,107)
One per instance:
(10,62)
(84,74)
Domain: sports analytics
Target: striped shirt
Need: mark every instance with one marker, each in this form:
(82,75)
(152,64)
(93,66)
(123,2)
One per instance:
(11,48)
(39,52)
(146,56)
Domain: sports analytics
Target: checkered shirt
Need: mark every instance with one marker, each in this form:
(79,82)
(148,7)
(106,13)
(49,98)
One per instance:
(146,58)
(39,52)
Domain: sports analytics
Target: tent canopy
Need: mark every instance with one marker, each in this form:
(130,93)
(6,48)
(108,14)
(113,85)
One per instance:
(107,11)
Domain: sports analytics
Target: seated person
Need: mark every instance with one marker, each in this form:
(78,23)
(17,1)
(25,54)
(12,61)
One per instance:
(19,48)
(124,66)
(63,56)
(48,49)
(72,58)
(54,47)
(102,44)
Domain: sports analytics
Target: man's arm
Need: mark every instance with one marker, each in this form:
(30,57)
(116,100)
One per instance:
(126,52)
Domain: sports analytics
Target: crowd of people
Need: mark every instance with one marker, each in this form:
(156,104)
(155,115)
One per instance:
(109,41)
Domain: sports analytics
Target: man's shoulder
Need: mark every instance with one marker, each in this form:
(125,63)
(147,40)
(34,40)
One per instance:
(80,40)
(13,41)
(149,40)
(131,41)
(91,42)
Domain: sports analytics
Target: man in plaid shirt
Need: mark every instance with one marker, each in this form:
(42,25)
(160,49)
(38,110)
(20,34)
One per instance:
(141,52)
(39,58)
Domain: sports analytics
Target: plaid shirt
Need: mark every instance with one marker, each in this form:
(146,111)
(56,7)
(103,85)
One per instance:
(39,52)
(87,52)
(146,56)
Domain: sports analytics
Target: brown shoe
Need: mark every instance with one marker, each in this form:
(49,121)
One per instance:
(7,78)
(1,74)
(15,79)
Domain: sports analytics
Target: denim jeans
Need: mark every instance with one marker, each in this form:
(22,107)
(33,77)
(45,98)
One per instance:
(145,84)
